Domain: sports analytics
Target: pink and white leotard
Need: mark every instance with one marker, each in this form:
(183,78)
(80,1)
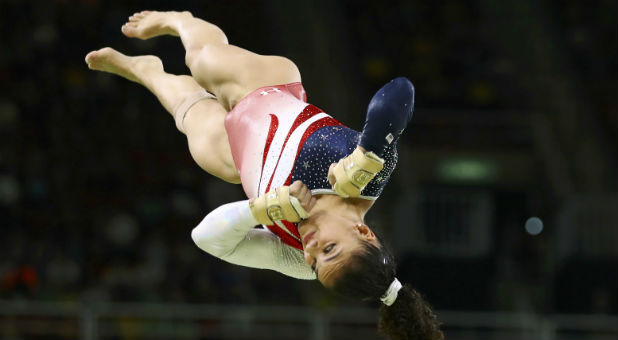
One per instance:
(266,131)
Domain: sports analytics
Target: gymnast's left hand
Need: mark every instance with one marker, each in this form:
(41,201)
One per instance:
(351,174)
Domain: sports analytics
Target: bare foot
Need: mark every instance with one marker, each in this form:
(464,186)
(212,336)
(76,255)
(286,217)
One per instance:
(132,68)
(147,24)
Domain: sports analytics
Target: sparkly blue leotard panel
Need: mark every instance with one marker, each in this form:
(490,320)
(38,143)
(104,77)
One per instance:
(328,145)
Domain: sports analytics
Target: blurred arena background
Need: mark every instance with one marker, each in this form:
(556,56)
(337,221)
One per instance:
(502,210)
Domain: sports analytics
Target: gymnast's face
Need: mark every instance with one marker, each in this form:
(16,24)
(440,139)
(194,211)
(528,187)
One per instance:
(329,240)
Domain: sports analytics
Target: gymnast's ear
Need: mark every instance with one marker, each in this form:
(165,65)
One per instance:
(364,232)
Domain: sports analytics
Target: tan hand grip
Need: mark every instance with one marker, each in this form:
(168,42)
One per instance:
(354,172)
(277,205)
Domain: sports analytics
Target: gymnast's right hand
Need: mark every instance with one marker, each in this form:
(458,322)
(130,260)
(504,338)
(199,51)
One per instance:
(289,203)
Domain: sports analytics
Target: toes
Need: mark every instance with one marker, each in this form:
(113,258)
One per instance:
(106,50)
(90,59)
(128,28)
(89,56)
(93,56)
(138,16)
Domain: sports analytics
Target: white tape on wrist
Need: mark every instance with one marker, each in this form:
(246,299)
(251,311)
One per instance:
(302,213)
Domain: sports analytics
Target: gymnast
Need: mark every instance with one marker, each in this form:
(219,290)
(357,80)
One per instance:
(310,180)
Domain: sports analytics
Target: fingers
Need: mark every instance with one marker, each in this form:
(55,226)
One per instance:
(331,175)
(309,206)
(299,190)
(335,170)
(291,203)
(296,187)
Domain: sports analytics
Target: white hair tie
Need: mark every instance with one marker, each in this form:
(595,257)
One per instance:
(391,293)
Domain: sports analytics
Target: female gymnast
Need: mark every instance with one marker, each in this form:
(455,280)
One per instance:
(309,179)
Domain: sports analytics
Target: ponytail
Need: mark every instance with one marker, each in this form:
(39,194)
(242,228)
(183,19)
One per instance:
(368,276)
(409,317)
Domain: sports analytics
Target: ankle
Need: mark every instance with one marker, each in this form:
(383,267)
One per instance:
(176,20)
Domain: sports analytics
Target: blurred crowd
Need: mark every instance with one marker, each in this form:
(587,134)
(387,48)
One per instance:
(98,192)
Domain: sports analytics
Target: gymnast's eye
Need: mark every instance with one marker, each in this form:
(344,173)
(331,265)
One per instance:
(329,248)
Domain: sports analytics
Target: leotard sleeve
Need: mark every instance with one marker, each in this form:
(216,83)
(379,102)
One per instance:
(389,112)
(228,233)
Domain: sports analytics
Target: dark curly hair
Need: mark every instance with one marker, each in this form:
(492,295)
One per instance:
(367,277)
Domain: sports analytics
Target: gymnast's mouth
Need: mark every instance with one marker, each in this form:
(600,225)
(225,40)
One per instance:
(308,237)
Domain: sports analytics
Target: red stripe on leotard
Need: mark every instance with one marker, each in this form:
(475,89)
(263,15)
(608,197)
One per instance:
(307,113)
(272,130)
(328,121)
(292,227)
(284,236)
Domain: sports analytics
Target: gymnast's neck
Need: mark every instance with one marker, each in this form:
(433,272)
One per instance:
(354,208)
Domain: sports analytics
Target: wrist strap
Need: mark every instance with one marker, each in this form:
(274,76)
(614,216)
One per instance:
(355,171)
(277,205)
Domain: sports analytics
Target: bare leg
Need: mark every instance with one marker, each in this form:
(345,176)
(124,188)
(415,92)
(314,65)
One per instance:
(228,71)
(203,122)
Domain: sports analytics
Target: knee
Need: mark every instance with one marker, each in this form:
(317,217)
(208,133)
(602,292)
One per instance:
(231,175)
(204,156)
(218,36)
(191,56)
(202,61)
(211,154)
